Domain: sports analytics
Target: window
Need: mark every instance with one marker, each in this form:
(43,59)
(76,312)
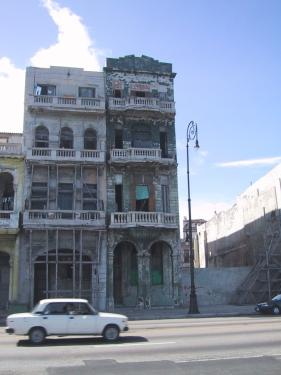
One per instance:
(90,197)
(117,93)
(165,198)
(65,196)
(41,137)
(164,144)
(43,89)
(6,192)
(87,92)
(142,198)
(39,194)
(90,139)
(66,138)
(118,138)
(119,198)
(156,264)
(142,139)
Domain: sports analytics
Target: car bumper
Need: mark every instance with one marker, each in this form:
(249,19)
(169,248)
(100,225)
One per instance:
(9,330)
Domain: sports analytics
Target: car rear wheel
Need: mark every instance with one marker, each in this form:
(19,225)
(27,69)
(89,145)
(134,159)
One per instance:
(37,335)
(111,333)
(276,310)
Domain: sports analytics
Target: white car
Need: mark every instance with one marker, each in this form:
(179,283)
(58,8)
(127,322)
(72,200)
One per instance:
(66,316)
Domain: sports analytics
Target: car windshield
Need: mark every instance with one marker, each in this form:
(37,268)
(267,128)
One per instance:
(277,298)
(37,309)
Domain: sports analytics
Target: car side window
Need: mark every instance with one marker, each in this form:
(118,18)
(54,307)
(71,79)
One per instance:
(54,309)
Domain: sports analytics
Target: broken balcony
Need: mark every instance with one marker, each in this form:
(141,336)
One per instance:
(39,218)
(144,219)
(151,104)
(62,103)
(49,154)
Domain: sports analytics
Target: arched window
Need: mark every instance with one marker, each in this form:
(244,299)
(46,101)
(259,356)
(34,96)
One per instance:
(90,139)
(66,138)
(6,192)
(41,137)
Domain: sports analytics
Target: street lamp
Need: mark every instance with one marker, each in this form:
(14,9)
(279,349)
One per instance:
(191,134)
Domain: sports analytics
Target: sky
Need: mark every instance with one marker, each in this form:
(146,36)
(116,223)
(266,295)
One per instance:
(227,56)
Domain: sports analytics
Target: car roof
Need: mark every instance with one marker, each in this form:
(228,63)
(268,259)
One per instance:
(53,300)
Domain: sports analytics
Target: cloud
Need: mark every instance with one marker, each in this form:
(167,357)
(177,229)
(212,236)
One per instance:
(74,47)
(11,96)
(250,162)
(201,209)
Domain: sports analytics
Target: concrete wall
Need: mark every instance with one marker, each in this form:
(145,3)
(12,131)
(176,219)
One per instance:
(213,285)
(240,229)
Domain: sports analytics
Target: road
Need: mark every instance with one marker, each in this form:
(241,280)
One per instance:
(238,345)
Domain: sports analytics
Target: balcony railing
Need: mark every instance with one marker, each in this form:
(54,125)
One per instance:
(66,103)
(9,220)
(10,149)
(36,153)
(140,218)
(138,155)
(60,217)
(141,103)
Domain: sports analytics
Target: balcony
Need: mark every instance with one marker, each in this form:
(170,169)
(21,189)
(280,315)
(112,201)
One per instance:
(139,155)
(149,104)
(10,149)
(143,219)
(39,218)
(61,103)
(62,154)
(9,222)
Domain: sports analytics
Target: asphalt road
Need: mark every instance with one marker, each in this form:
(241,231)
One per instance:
(240,345)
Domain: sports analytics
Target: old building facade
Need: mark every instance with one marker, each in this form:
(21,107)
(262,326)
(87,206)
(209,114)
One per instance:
(65,194)
(142,198)
(11,194)
(95,187)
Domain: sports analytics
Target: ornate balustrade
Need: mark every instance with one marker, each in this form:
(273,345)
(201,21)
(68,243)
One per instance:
(63,217)
(10,149)
(140,218)
(66,154)
(141,103)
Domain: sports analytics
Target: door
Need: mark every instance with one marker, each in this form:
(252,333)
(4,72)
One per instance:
(81,320)
(54,318)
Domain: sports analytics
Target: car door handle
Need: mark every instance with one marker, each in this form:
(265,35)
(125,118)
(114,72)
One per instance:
(71,317)
(45,317)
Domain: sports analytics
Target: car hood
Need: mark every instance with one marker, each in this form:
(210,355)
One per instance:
(112,315)
(20,315)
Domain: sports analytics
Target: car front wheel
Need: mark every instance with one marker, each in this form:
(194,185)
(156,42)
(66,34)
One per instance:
(111,333)
(37,335)
(276,310)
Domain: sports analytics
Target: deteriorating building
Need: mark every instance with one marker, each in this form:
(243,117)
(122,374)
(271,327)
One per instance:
(95,187)
(249,234)
(65,192)
(11,193)
(142,195)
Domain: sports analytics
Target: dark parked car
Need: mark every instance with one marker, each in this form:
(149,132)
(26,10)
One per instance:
(272,307)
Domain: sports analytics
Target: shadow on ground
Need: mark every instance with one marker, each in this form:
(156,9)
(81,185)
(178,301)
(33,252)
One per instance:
(82,341)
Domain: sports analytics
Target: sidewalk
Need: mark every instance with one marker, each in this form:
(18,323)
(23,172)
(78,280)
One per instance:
(183,312)
(177,312)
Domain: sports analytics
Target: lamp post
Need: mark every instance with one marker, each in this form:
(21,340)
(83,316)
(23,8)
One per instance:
(191,134)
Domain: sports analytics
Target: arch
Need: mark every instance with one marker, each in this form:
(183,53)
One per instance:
(41,137)
(6,192)
(66,137)
(90,139)
(4,279)
(125,274)
(63,273)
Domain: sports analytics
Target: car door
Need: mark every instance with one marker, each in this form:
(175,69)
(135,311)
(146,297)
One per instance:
(54,318)
(82,320)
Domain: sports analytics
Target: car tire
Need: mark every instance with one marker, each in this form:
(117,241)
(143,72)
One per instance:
(37,335)
(111,333)
(275,310)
